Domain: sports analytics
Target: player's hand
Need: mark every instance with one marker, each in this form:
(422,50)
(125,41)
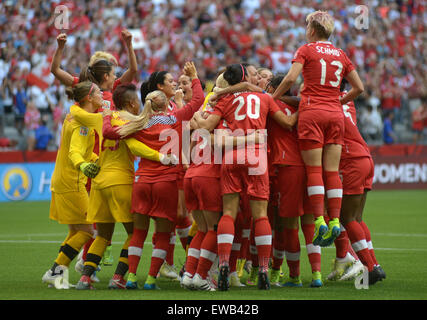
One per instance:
(169,159)
(190,70)
(179,95)
(61,39)
(90,169)
(127,37)
(213,99)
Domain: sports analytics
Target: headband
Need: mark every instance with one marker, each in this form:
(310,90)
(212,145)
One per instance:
(243,72)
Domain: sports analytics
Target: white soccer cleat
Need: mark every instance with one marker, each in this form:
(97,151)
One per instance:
(201,284)
(168,272)
(59,279)
(235,280)
(187,281)
(352,271)
(339,267)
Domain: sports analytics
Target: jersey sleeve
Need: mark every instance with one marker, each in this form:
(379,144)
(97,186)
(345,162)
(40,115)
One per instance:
(80,141)
(87,119)
(185,113)
(140,149)
(301,55)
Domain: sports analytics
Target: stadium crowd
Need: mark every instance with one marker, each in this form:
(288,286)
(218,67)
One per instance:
(390,54)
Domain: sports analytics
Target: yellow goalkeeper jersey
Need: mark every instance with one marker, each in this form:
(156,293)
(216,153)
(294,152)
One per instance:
(116,157)
(76,147)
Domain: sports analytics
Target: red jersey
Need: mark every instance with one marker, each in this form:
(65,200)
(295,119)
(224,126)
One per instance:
(283,143)
(354,145)
(324,67)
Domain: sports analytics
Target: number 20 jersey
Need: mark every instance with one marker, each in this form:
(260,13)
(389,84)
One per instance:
(324,67)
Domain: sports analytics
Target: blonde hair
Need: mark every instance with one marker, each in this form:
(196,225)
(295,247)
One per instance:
(322,22)
(155,101)
(221,83)
(102,55)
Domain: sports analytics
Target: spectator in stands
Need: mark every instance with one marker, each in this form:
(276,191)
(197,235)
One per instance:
(31,119)
(371,124)
(389,136)
(43,135)
(419,117)
(21,99)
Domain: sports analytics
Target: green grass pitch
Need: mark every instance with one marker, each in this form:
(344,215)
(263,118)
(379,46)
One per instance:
(29,242)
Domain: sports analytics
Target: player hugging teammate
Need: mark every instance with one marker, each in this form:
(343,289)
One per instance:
(208,161)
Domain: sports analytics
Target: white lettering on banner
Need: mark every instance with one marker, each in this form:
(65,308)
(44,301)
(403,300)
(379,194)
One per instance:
(404,173)
(43,182)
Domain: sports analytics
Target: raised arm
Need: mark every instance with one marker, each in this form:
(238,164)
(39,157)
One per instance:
(130,74)
(288,80)
(291,100)
(55,68)
(239,87)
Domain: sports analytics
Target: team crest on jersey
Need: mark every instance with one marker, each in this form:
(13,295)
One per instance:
(84,131)
(106,105)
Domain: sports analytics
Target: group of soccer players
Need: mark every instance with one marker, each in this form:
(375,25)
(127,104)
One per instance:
(256,163)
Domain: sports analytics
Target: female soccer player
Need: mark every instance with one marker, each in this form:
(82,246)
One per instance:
(244,111)
(75,162)
(321,121)
(111,191)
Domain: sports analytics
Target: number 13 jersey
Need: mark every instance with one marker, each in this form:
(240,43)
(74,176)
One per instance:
(324,67)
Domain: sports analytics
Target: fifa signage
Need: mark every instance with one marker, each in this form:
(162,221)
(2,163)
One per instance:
(26,181)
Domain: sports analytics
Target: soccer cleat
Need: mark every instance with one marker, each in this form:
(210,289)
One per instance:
(187,281)
(352,271)
(79,266)
(253,277)
(320,229)
(150,283)
(263,282)
(108,259)
(223,281)
(201,284)
(58,278)
(339,267)
(275,277)
(132,281)
(213,277)
(293,282)
(382,272)
(316,281)
(334,231)
(235,280)
(240,267)
(248,266)
(117,282)
(375,275)
(84,283)
(168,272)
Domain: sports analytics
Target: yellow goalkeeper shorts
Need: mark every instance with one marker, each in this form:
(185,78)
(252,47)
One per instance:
(69,207)
(111,204)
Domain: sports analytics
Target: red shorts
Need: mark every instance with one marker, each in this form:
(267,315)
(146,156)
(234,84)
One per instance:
(157,200)
(317,128)
(292,182)
(235,178)
(357,175)
(203,193)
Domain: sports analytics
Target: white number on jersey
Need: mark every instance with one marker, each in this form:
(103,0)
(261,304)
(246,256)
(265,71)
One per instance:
(345,109)
(253,106)
(337,73)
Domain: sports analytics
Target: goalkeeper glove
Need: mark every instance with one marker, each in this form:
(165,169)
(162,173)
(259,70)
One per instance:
(90,169)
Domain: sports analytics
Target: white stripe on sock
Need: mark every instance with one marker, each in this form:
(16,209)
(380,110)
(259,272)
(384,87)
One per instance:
(159,253)
(253,250)
(311,248)
(370,246)
(359,245)
(246,233)
(225,238)
(263,240)
(183,233)
(278,254)
(134,251)
(211,256)
(334,193)
(236,247)
(292,256)
(192,252)
(172,239)
(315,190)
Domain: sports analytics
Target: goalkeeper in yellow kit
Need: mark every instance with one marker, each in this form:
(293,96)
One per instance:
(111,190)
(75,162)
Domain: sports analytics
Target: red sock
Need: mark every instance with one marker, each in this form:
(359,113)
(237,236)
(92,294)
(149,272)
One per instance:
(369,241)
(279,249)
(313,252)
(86,248)
(315,190)
(253,252)
(159,253)
(263,241)
(193,255)
(225,236)
(292,251)
(342,244)
(246,232)
(235,248)
(208,253)
(136,245)
(333,186)
(358,242)
(171,249)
